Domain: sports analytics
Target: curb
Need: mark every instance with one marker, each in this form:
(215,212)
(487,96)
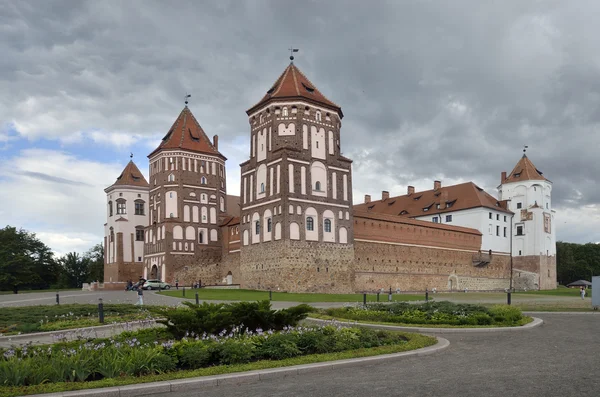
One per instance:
(425,330)
(570,313)
(200,383)
(32,336)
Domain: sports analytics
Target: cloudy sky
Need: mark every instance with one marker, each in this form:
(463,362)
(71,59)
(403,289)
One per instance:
(429,89)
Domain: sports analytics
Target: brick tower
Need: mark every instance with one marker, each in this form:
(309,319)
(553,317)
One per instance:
(296,192)
(187,198)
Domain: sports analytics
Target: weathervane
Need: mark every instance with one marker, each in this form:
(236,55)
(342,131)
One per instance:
(186,98)
(525,149)
(292,50)
(130,155)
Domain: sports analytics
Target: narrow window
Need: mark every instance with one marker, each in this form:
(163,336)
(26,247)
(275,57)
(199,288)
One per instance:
(497,217)
(318,186)
(269,225)
(317,143)
(318,115)
(262,187)
(505,232)
(519,230)
(257,227)
(490,215)
(327,225)
(284,112)
(201,238)
(497,230)
(310,223)
(139,208)
(435,219)
(519,205)
(448,218)
(504,218)
(139,235)
(110,208)
(203,181)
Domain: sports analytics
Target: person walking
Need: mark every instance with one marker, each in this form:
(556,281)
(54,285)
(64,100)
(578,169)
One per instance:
(140,293)
(582,291)
(176,284)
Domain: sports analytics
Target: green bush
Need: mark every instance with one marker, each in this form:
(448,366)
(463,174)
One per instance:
(506,314)
(234,351)
(196,355)
(224,318)
(279,346)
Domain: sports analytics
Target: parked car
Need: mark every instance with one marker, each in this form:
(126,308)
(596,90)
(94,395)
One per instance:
(155,284)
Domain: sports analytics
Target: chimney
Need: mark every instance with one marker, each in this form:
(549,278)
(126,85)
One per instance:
(367,198)
(385,195)
(216,142)
(437,185)
(502,177)
(411,190)
(443,200)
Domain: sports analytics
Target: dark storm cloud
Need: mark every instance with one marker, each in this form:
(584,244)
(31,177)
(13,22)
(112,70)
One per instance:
(429,89)
(50,178)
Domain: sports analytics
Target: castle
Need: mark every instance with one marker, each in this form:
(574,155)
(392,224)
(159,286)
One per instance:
(295,227)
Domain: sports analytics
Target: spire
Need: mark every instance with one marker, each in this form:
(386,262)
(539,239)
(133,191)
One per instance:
(186,133)
(131,176)
(293,84)
(524,171)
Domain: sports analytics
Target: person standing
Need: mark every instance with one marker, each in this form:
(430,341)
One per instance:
(140,292)
(582,291)
(176,284)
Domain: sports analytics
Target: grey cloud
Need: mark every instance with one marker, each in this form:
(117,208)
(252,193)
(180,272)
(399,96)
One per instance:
(525,72)
(55,179)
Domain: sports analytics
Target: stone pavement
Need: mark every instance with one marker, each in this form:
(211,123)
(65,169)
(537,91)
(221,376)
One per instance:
(559,358)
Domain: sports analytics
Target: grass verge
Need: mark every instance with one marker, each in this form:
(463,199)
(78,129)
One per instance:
(253,295)
(29,319)
(560,291)
(415,341)
(524,321)
(33,291)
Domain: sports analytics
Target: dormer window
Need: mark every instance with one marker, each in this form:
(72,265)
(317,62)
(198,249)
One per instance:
(518,174)
(403,212)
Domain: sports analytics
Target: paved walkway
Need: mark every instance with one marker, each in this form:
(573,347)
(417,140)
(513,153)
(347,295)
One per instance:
(559,358)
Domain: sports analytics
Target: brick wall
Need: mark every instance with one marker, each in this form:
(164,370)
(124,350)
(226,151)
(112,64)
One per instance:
(541,265)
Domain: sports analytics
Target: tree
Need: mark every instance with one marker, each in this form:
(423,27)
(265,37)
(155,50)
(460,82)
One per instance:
(74,270)
(25,262)
(95,256)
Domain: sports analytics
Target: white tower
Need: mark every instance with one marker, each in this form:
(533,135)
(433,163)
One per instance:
(127,216)
(533,231)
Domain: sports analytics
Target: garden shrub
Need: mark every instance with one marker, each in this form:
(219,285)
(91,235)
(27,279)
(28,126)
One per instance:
(237,351)
(279,346)
(213,318)
(196,355)
(506,314)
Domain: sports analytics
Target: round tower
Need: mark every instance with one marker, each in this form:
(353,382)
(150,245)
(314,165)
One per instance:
(127,216)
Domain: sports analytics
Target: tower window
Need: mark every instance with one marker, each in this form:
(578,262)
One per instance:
(519,205)
(121,207)
(504,218)
(201,238)
(497,217)
(262,187)
(139,235)
(310,224)
(490,215)
(284,112)
(318,115)
(257,227)
(520,231)
(318,186)
(269,225)
(203,181)
(110,208)
(112,235)
(327,225)
(171,178)
(497,230)
(139,207)
(317,144)
(505,232)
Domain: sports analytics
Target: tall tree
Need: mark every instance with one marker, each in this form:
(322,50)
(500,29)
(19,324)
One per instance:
(95,255)
(25,262)
(74,270)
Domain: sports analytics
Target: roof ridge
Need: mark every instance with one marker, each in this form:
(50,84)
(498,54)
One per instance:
(295,79)
(279,81)
(315,87)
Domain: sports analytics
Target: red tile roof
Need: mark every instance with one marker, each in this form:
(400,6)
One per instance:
(524,171)
(131,176)
(293,84)
(455,198)
(187,134)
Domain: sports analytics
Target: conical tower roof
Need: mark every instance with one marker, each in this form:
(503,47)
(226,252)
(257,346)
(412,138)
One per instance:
(524,171)
(131,176)
(187,134)
(293,84)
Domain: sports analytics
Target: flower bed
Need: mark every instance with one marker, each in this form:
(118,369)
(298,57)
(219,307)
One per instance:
(432,314)
(23,320)
(138,356)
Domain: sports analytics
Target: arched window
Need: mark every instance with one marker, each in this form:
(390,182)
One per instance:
(318,115)
(121,207)
(310,223)
(201,238)
(257,227)
(318,186)
(203,180)
(110,208)
(139,233)
(112,235)
(262,187)
(269,225)
(139,207)
(284,112)
(261,119)
(171,178)
(327,225)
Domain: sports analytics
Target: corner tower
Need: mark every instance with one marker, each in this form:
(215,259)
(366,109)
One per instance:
(296,192)
(127,217)
(187,198)
(533,230)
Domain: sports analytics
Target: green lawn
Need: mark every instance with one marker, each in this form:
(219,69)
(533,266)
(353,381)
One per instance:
(252,295)
(30,291)
(560,291)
